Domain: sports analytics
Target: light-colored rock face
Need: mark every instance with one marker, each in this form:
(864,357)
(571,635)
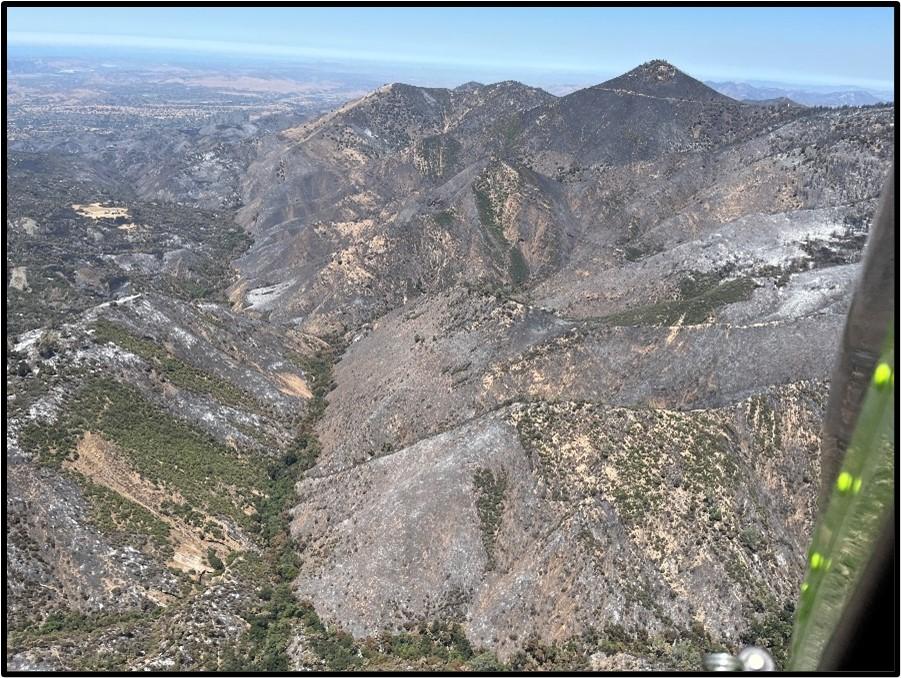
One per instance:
(29,225)
(18,278)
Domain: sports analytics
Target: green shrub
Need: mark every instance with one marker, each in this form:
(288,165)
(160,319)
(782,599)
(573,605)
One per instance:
(490,506)
(129,521)
(173,368)
(215,561)
(698,300)
(486,661)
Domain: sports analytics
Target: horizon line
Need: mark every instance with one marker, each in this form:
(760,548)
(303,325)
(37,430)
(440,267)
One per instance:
(248,49)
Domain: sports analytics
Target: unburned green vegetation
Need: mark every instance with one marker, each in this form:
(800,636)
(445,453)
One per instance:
(506,254)
(772,628)
(119,516)
(677,649)
(519,269)
(444,218)
(438,155)
(488,217)
(508,129)
(264,647)
(637,251)
(697,302)
(71,624)
(666,473)
(436,646)
(163,449)
(490,490)
(280,617)
(173,368)
(71,261)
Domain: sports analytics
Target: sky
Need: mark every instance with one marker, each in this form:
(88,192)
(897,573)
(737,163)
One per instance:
(805,45)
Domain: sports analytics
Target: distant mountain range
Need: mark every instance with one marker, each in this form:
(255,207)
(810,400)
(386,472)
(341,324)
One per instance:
(813,96)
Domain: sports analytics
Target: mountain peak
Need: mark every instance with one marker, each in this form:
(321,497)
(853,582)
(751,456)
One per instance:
(656,70)
(661,79)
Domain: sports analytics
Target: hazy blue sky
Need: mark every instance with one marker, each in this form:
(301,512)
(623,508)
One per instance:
(815,45)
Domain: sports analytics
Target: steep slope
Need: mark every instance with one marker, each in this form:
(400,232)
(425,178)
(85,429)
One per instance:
(147,426)
(395,167)
(543,521)
(507,184)
(139,442)
(540,379)
(662,80)
(653,110)
(664,249)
